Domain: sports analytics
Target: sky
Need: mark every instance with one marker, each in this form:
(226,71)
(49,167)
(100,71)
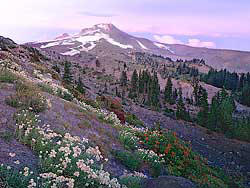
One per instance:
(199,23)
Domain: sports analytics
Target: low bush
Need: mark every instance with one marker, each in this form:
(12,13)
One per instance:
(27,96)
(64,95)
(128,139)
(46,88)
(12,178)
(165,153)
(131,181)
(241,130)
(66,160)
(128,159)
(7,76)
(133,120)
(169,112)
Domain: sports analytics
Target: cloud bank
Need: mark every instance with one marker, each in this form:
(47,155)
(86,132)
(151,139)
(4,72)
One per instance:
(167,39)
(191,42)
(198,43)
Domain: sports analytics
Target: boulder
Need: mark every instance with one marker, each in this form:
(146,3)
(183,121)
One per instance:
(6,43)
(167,182)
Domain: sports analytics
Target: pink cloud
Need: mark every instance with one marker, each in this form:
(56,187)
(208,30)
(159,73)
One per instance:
(198,43)
(168,39)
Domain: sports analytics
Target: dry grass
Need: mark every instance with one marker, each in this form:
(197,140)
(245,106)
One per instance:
(84,124)
(70,106)
(66,125)
(27,95)
(7,76)
(41,68)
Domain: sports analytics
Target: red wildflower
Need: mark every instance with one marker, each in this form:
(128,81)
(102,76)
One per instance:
(186,153)
(174,134)
(146,138)
(167,149)
(173,154)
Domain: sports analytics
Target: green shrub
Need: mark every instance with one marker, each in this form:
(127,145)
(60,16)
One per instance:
(133,120)
(169,112)
(128,159)
(64,95)
(241,131)
(46,88)
(128,139)
(92,103)
(12,178)
(131,181)
(13,101)
(7,76)
(54,149)
(27,96)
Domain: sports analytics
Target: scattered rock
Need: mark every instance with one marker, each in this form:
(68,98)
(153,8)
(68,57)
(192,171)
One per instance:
(168,182)
(6,43)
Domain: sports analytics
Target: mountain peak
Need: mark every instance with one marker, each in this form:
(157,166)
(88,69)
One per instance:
(105,26)
(102,27)
(63,36)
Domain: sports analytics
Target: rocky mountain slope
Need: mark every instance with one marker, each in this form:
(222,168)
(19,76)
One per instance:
(75,139)
(109,44)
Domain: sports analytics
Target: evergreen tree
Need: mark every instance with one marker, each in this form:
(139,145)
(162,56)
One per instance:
(203,113)
(168,93)
(221,112)
(226,113)
(141,82)
(134,81)
(155,91)
(181,112)
(80,86)
(245,95)
(123,79)
(67,76)
(242,82)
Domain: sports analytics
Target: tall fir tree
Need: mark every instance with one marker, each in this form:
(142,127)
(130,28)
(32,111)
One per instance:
(203,113)
(123,78)
(221,112)
(226,115)
(134,81)
(140,82)
(67,76)
(134,85)
(155,90)
(168,92)
(80,85)
(181,112)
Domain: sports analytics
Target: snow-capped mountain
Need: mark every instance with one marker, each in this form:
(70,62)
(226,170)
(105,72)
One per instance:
(109,43)
(97,36)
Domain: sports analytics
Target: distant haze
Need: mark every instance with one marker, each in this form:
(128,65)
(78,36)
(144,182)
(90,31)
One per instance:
(198,23)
